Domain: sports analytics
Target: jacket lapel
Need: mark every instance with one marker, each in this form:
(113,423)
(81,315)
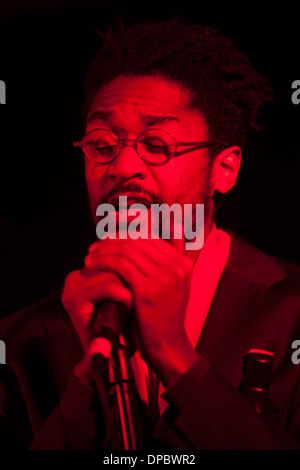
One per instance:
(238,319)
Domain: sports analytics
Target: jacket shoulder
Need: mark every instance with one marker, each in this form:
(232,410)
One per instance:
(29,322)
(293,274)
(257,267)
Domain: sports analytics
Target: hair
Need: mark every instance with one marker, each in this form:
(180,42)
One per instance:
(222,82)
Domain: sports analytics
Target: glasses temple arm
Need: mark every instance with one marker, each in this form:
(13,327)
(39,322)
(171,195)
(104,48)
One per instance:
(201,144)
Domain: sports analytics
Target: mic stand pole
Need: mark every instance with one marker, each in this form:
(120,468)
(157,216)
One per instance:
(123,379)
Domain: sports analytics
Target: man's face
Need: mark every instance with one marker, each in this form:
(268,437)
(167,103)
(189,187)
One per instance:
(128,106)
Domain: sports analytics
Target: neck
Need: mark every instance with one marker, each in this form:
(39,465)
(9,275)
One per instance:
(193,254)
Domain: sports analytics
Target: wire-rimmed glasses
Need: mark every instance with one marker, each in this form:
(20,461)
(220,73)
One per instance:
(154,146)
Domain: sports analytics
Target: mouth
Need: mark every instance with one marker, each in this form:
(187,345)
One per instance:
(132,198)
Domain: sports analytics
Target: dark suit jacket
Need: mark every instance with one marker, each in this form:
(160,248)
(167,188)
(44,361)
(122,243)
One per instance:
(256,305)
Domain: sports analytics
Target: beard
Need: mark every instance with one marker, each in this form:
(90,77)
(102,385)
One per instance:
(192,196)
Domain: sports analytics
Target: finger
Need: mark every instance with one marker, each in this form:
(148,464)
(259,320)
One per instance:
(79,276)
(131,275)
(88,272)
(135,254)
(96,290)
(157,251)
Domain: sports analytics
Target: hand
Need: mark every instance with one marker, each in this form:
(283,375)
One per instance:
(157,275)
(82,290)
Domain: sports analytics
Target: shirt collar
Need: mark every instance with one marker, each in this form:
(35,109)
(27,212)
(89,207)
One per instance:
(207,271)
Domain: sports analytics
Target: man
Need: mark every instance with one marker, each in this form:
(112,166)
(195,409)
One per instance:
(168,108)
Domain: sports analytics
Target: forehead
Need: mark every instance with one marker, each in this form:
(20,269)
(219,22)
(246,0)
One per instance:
(143,95)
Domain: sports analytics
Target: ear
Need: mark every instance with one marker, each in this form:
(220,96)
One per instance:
(226,169)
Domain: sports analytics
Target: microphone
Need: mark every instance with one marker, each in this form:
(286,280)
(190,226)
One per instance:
(106,323)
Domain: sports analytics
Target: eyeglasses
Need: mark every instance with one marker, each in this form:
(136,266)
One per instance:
(154,146)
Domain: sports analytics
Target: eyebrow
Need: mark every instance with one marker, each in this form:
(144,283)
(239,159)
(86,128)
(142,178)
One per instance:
(103,115)
(147,120)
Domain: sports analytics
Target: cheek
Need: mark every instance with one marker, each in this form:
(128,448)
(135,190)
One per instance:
(94,184)
(187,176)
(192,186)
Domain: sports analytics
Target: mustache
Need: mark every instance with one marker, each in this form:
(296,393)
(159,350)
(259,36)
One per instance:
(133,188)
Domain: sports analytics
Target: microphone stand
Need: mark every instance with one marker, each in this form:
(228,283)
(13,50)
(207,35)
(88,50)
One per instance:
(123,380)
(109,354)
(120,376)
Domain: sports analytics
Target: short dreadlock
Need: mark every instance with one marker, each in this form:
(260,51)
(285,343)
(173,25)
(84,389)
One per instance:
(224,86)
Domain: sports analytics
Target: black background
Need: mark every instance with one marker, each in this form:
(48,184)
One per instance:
(44,50)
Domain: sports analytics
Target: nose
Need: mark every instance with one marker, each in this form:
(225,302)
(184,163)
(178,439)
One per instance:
(127,165)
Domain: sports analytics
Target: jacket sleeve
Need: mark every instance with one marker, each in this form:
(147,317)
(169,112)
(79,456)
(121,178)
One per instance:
(70,425)
(206,412)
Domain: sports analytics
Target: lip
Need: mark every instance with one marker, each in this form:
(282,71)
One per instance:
(132,198)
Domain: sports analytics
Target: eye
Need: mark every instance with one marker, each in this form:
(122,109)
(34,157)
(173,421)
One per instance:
(100,144)
(154,144)
(103,147)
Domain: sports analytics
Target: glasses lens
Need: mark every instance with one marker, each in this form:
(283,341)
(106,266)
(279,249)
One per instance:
(100,145)
(155,146)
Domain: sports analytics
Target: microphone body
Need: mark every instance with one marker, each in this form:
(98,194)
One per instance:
(105,325)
